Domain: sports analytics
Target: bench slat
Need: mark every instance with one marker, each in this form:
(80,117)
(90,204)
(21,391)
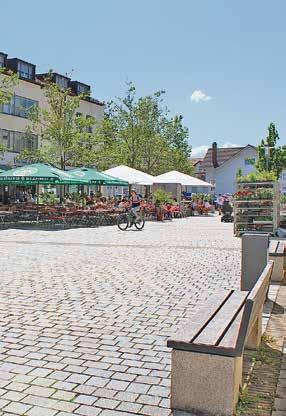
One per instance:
(219,325)
(273,247)
(280,249)
(231,337)
(259,291)
(200,319)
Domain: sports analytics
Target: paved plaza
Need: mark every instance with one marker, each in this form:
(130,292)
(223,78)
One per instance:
(85,313)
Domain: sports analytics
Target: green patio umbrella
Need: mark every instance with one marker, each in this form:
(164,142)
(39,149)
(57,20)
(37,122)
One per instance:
(94,177)
(39,173)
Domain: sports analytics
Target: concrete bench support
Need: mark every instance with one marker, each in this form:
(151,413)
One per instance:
(204,383)
(253,340)
(277,254)
(254,257)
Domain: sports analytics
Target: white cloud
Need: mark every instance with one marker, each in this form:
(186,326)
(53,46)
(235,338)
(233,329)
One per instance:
(228,144)
(199,151)
(199,96)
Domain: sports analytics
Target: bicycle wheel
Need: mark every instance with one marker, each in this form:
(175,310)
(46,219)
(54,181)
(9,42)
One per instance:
(139,222)
(122,222)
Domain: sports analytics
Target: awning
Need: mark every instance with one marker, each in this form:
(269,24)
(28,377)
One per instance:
(180,178)
(94,177)
(130,175)
(39,173)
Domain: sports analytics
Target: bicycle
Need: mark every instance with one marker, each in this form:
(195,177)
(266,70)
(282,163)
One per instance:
(129,218)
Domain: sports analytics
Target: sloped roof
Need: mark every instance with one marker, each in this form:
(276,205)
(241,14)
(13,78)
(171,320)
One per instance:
(178,177)
(223,155)
(195,160)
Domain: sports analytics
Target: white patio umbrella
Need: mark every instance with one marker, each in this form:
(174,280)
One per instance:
(180,178)
(130,175)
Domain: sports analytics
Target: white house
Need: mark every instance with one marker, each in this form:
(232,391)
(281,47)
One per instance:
(222,164)
(283,182)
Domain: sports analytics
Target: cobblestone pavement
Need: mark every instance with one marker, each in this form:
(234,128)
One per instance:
(85,313)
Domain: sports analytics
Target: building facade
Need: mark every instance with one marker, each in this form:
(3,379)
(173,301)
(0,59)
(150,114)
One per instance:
(28,93)
(220,166)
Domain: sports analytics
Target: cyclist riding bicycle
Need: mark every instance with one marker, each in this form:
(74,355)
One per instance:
(135,202)
(132,216)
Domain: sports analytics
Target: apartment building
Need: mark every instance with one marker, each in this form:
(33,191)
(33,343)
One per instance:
(28,93)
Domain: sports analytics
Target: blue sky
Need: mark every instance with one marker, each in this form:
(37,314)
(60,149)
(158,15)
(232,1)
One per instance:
(228,55)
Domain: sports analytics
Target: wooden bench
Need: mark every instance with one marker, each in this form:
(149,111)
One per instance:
(207,353)
(277,254)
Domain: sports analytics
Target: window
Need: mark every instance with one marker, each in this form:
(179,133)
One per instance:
(89,128)
(83,89)
(2,60)
(5,138)
(25,70)
(249,161)
(23,105)
(16,141)
(283,176)
(18,106)
(62,82)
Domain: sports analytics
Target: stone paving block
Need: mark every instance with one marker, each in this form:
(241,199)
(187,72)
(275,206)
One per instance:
(39,372)
(13,396)
(117,385)
(3,403)
(138,388)
(41,411)
(97,381)
(63,385)
(16,408)
(107,403)
(77,378)
(40,391)
(123,376)
(159,391)
(130,407)
(147,399)
(84,389)
(43,382)
(108,412)
(59,375)
(85,399)
(63,395)
(155,411)
(88,411)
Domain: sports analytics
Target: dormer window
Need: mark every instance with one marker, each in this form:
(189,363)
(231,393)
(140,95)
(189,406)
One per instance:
(25,70)
(83,89)
(61,81)
(80,88)
(3,57)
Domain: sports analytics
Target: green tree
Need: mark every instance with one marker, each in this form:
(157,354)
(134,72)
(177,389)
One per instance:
(8,80)
(271,157)
(143,136)
(68,137)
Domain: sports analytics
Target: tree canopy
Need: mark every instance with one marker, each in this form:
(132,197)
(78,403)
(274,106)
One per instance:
(271,157)
(138,132)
